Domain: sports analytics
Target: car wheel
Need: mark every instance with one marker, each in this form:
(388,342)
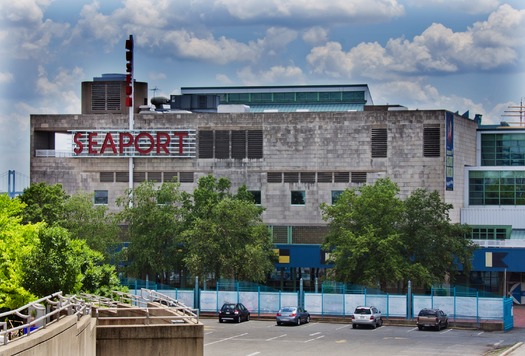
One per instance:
(354,326)
(279,323)
(380,321)
(446,324)
(221,321)
(420,327)
(239,319)
(374,325)
(298,321)
(308,319)
(248,317)
(438,326)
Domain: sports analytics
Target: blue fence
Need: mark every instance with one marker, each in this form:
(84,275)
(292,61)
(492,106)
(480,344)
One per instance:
(342,301)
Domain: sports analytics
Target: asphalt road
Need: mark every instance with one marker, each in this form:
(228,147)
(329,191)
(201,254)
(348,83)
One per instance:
(258,337)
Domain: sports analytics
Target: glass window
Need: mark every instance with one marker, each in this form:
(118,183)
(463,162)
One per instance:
(101,197)
(298,197)
(256,196)
(335,195)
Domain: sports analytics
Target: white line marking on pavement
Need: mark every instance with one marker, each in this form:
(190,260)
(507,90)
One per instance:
(480,333)
(342,327)
(319,337)
(255,353)
(273,338)
(498,343)
(317,333)
(226,339)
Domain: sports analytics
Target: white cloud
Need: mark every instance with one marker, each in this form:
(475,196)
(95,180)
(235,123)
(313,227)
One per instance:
(288,74)
(464,6)
(6,77)
(437,50)
(302,10)
(224,79)
(316,35)
(59,94)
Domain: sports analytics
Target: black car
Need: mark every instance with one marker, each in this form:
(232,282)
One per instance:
(234,311)
(432,318)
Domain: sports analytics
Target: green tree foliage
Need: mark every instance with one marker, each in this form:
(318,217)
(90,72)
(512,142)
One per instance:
(92,223)
(375,238)
(225,235)
(153,215)
(16,243)
(434,246)
(364,236)
(43,202)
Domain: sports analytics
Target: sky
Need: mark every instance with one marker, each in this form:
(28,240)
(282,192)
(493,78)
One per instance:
(458,55)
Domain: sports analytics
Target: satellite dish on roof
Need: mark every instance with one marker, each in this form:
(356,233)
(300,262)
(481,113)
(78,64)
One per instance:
(159,101)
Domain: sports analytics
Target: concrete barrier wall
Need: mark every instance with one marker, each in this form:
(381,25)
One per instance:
(140,340)
(63,338)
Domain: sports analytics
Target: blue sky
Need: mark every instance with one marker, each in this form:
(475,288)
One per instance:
(457,55)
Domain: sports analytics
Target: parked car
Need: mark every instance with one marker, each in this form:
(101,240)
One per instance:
(234,311)
(367,315)
(432,318)
(292,315)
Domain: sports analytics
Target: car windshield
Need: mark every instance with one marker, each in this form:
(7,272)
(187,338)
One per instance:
(427,313)
(362,311)
(228,306)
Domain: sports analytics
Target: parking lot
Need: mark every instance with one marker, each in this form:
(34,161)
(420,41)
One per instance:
(264,337)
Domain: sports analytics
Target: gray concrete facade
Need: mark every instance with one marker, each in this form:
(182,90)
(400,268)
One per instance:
(336,143)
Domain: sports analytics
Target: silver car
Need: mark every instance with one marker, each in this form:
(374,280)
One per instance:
(292,315)
(367,315)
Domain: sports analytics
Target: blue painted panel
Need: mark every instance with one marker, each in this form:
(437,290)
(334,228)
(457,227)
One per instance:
(303,256)
(499,259)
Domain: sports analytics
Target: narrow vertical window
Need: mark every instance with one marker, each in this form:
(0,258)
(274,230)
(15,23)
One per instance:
(379,143)
(431,142)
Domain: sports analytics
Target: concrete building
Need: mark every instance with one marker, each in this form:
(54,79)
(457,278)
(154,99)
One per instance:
(293,147)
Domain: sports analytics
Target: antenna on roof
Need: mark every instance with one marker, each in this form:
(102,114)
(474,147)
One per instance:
(154,90)
(516,111)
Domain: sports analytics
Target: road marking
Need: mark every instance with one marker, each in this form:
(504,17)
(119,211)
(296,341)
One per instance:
(208,333)
(319,337)
(446,331)
(226,339)
(480,333)
(276,337)
(317,333)
(340,341)
(255,353)
(412,330)
(498,343)
(342,327)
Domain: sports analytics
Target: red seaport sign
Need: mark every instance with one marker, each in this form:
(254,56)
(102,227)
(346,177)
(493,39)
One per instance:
(115,143)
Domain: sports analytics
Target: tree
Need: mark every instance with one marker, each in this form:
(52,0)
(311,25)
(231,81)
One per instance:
(375,238)
(364,237)
(16,244)
(154,228)
(225,235)
(92,223)
(43,202)
(435,248)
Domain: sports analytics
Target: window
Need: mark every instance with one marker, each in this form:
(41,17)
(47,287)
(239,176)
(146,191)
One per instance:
(291,177)
(107,177)
(171,176)
(255,144)
(358,177)
(341,177)
(298,197)
(496,188)
(431,142)
(186,177)
(274,177)
(239,144)
(101,197)
(122,177)
(222,144)
(503,149)
(155,176)
(307,177)
(335,195)
(236,144)
(256,196)
(205,144)
(324,177)
(139,177)
(379,143)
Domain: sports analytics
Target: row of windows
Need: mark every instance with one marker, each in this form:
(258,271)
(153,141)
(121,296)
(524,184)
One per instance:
(313,235)
(503,150)
(491,233)
(139,177)
(236,144)
(297,197)
(293,97)
(496,188)
(316,177)
(105,96)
